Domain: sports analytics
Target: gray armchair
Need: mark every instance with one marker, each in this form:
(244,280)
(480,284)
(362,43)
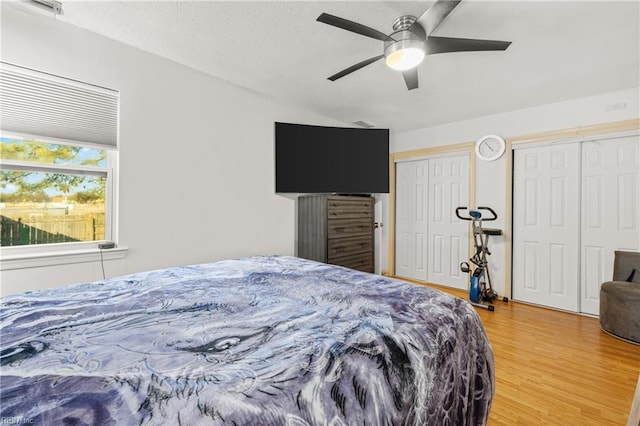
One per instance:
(620,298)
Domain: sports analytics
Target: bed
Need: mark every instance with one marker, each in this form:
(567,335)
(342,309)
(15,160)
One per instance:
(264,340)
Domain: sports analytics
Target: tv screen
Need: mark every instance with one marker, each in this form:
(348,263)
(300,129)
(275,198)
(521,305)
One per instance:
(319,159)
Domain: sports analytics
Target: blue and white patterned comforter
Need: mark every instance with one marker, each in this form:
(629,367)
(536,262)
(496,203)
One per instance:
(255,341)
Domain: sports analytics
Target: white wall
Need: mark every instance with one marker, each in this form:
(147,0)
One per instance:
(491,177)
(196,154)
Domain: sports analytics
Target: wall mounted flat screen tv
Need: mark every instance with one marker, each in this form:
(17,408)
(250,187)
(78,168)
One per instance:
(319,159)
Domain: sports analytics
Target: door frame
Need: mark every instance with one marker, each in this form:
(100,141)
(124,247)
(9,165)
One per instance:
(419,154)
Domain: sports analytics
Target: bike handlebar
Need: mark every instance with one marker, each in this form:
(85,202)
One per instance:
(479,214)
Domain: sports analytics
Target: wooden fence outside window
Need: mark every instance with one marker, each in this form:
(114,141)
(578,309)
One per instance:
(51,230)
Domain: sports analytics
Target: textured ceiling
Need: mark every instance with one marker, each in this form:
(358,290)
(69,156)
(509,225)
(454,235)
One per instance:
(561,50)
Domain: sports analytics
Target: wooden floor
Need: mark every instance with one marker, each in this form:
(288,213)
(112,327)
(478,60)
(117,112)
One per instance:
(557,368)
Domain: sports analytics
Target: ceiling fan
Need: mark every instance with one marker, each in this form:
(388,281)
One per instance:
(411,40)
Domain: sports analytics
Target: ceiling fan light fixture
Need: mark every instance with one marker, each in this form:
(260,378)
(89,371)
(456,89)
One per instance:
(405,48)
(405,58)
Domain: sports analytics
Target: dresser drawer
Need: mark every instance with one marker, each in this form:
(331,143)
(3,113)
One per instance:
(340,228)
(337,229)
(361,262)
(340,247)
(349,208)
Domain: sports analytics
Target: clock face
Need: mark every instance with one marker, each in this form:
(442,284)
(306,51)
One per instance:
(490,147)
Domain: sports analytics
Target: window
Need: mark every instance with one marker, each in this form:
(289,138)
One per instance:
(52,193)
(58,161)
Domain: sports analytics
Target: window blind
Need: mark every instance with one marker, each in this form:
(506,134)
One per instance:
(37,104)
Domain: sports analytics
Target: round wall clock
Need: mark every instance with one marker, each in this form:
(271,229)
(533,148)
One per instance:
(490,147)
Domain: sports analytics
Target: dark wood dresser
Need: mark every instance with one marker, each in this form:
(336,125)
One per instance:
(337,229)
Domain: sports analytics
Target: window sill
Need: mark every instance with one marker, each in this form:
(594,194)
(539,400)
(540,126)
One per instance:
(54,258)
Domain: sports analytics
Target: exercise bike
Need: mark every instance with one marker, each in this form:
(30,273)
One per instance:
(479,289)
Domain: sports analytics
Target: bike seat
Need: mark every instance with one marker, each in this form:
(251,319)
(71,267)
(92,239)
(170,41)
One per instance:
(491,231)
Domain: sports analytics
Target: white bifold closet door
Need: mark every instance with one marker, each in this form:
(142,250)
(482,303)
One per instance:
(574,204)
(610,211)
(447,235)
(412,181)
(546,223)
(430,241)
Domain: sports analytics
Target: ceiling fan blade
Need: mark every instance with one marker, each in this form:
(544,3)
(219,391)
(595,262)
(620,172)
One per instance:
(411,78)
(436,14)
(355,67)
(354,27)
(451,44)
